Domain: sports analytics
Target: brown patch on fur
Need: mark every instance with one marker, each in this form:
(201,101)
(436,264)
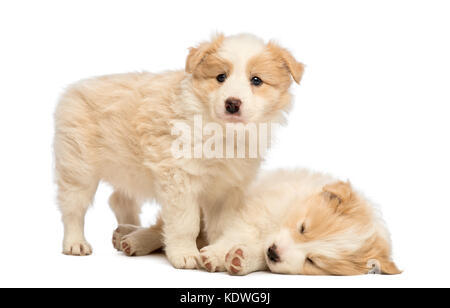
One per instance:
(211,66)
(332,212)
(275,66)
(271,69)
(356,263)
(205,65)
(295,68)
(198,54)
(327,214)
(340,196)
(204,81)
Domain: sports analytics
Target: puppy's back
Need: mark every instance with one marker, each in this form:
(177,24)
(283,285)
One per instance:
(106,119)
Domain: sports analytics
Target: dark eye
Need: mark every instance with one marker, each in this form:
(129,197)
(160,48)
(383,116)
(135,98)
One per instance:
(302,229)
(310,261)
(256,81)
(221,78)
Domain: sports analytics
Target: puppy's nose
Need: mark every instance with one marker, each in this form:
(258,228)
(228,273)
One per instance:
(272,253)
(232,105)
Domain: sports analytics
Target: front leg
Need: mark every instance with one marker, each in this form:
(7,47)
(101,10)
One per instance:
(181,226)
(244,259)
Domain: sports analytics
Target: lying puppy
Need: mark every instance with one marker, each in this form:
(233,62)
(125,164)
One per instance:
(118,129)
(293,222)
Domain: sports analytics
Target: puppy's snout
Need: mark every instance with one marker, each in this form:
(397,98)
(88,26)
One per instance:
(232,105)
(272,253)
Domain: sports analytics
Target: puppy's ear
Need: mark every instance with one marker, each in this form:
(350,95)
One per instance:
(339,191)
(295,68)
(383,266)
(389,268)
(198,54)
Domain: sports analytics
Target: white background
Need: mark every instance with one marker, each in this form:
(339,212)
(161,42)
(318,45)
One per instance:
(373,107)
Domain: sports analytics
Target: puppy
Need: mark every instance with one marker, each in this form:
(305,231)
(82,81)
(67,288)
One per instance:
(293,222)
(118,129)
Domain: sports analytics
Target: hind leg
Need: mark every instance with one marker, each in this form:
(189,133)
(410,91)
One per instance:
(140,241)
(120,232)
(126,209)
(73,203)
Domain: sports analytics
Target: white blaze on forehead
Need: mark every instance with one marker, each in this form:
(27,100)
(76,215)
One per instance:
(239,49)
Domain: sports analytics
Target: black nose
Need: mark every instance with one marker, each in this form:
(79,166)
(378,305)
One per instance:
(232,105)
(272,253)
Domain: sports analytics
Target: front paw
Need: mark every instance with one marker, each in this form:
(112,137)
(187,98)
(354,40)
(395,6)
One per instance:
(236,262)
(184,259)
(76,247)
(212,259)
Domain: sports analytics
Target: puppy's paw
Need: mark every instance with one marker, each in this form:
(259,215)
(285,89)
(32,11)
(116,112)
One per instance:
(77,248)
(187,260)
(212,259)
(119,233)
(132,246)
(236,262)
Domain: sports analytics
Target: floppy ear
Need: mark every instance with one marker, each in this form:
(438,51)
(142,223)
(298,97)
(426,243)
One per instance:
(295,68)
(338,193)
(389,268)
(198,54)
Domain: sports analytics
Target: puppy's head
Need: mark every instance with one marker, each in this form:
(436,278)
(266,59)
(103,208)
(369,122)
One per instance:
(333,232)
(242,79)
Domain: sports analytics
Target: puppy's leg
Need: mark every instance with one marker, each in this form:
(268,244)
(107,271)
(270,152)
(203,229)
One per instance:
(244,259)
(120,232)
(142,241)
(73,203)
(126,209)
(181,216)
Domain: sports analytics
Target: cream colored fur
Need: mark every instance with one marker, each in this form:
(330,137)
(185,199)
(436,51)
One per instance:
(117,129)
(273,202)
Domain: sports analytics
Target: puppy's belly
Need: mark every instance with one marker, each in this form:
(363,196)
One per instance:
(135,181)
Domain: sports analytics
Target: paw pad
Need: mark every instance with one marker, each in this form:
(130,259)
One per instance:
(235,259)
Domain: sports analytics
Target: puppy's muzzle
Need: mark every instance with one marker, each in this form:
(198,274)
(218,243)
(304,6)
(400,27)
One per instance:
(272,254)
(232,105)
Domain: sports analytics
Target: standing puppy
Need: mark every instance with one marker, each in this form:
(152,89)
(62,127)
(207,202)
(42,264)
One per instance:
(118,129)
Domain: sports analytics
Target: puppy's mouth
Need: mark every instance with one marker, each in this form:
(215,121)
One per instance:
(233,118)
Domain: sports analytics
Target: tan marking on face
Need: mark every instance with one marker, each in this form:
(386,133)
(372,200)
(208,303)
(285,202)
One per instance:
(212,66)
(204,81)
(205,65)
(274,66)
(339,234)
(356,262)
(240,58)
(271,69)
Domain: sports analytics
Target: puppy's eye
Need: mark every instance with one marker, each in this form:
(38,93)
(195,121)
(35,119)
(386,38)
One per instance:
(302,229)
(256,81)
(310,261)
(221,78)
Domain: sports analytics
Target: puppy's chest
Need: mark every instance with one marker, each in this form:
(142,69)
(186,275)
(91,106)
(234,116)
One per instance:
(222,173)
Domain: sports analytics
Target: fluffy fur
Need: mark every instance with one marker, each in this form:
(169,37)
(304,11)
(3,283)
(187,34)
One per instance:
(293,222)
(117,129)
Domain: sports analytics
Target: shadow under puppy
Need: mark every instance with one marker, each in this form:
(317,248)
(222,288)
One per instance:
(293,222)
